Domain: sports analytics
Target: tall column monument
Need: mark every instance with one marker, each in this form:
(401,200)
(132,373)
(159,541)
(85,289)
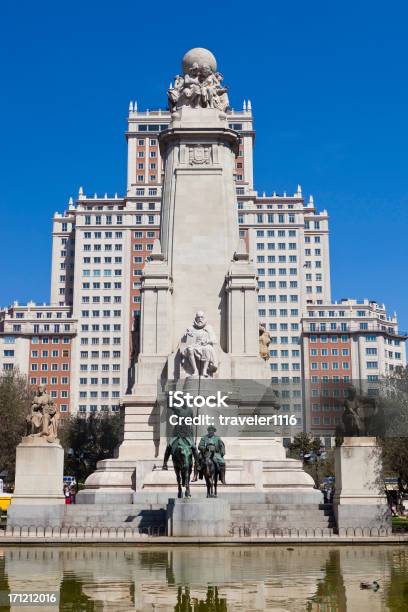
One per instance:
(198,271)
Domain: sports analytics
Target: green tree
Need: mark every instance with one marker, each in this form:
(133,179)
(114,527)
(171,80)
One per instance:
(324,467)
(87,441)
(396,587)
(307,448)
(15,402)
(330,592)
(303,444)
(394,444)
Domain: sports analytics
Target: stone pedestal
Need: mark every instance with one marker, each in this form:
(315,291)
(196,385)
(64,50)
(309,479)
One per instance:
(190,517)
(359,500)
(38,494)
(113,482)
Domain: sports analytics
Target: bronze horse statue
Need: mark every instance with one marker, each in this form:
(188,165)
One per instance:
(209,470)
(183,464)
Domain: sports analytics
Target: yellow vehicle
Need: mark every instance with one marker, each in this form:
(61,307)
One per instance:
(5,501)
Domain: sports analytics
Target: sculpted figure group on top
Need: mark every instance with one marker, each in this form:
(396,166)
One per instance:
(199,87)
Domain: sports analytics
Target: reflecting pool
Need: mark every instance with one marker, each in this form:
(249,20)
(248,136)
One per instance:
(210,579)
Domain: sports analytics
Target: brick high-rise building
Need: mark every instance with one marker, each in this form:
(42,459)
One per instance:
(38,340)
(100,245)
(352,343)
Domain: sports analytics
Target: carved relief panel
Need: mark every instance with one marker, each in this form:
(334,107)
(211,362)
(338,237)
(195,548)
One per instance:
(198,154)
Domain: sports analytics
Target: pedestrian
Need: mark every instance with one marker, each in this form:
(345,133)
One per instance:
(67,495)
(73,492)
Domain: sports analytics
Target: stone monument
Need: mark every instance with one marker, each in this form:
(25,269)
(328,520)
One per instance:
(38,493)
(199,270)
(359,499)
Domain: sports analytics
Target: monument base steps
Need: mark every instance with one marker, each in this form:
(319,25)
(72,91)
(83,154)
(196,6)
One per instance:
(116,480)
(199,517)
(148,513)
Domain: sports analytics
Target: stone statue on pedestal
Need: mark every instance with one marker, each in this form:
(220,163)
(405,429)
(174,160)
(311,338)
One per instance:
(198,348)
(43,418)
(38,499)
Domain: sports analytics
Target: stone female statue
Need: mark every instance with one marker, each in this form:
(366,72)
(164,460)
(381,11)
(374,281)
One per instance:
(264,342)
(43,419)
(174,93)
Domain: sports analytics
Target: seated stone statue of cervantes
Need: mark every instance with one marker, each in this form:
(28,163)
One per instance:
(199,356)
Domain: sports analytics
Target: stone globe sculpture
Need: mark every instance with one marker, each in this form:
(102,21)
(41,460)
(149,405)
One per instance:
(198,56)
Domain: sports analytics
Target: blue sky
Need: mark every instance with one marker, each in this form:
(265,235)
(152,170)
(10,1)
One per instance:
(329,89)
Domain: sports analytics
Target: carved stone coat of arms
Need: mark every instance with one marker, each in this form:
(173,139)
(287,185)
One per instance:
(199,155)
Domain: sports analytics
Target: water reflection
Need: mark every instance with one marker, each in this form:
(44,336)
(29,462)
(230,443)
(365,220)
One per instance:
(211,579)
(188,603)
(331,591)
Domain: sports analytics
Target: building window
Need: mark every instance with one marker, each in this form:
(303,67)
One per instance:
(372,365)
(371,351)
